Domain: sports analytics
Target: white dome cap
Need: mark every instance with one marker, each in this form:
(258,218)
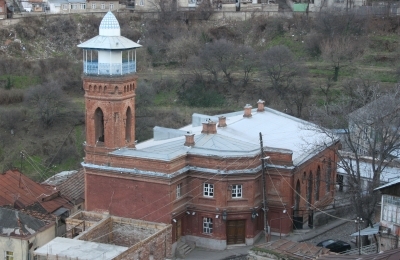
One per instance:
(109,26)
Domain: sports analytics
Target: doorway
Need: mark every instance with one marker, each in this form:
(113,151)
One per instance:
(235,232)
(178,229)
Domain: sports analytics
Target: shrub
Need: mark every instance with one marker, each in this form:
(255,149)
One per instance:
(11,96)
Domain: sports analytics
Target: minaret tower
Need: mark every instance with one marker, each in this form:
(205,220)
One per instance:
(109,81)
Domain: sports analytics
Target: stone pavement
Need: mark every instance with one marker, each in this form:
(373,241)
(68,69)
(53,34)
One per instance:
(239,252)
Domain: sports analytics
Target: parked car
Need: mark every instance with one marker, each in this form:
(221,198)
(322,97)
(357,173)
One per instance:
(336,246)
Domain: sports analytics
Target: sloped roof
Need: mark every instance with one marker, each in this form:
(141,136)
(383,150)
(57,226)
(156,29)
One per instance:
(16,188)
(71,184)
(281,132)
(386,255)
(16,223)
(397,181)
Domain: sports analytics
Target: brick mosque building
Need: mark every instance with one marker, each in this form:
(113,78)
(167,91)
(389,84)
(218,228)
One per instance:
(206,178)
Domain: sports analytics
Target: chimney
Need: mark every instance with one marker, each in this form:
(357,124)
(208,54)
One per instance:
(209,127)
(260,104)
(221,121)
(189,141)
(247,110)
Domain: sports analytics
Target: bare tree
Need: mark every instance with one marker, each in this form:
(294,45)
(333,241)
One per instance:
(287,77)
(48,100)
(372,139)
(340,52)
(225,65)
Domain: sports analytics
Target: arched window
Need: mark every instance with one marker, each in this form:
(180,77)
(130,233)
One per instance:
(90,88)
(128,126)
(318,180)
(124,88)
(116,90)
(95,88)
(105,88)
(310,189)
(328,176)
(99,125)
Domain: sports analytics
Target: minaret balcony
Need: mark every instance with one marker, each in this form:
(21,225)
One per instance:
(109,69)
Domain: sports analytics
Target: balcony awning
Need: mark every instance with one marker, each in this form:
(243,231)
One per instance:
(368,231)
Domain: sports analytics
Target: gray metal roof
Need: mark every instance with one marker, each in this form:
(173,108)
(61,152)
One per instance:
(109,43)
(15,223)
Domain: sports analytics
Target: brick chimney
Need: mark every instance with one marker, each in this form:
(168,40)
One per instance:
(221,121)
(247,111)
(260,104)
(189,141)
(209,127)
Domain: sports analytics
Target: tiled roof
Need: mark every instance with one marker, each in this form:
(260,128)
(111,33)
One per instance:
(294,250)
(17,189)
(71,186)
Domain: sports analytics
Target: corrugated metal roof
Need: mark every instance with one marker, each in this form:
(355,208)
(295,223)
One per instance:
(16,187)
(386,255)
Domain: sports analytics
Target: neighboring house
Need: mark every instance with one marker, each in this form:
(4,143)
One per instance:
(20,192)
(323,5)
(3,9)
(109,237)
(82,6)
(388,174)
(369,123)
(390,216)
(21,233)
(71,184)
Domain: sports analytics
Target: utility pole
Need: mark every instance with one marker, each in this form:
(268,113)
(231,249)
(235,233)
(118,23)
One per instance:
(358,221)
(264,190)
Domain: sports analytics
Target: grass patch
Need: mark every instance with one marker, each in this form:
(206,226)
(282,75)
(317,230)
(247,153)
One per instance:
(295,46)
(385,76)
(20,82)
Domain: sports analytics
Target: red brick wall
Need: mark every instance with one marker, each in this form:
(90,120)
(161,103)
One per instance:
(125,196)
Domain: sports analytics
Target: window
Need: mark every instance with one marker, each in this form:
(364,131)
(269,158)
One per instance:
(83,6)
(237,191)
(103,6)
(64,6)
(8,255)
(208,190)
(207,225)
(111,6)
(178,190)
(74,6)
(141,2)
(93,6)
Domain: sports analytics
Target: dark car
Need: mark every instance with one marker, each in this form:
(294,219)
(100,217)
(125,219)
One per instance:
(336,246)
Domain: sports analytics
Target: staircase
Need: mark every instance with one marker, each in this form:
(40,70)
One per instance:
(183,248)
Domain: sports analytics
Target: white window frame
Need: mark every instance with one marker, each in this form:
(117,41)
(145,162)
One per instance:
(207,225)
(237,191)
(83,6)
(8,255)
(65,7)
(208,190)
(111,6)
(178,190)
(103,6)
(74,6)
(94,6)
(141,2)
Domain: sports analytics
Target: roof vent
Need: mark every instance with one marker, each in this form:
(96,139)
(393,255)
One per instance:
(221,121)
(209,127)
(189,141)
(247,110)
(260,104)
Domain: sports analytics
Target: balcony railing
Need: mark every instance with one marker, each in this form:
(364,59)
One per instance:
(111,69)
